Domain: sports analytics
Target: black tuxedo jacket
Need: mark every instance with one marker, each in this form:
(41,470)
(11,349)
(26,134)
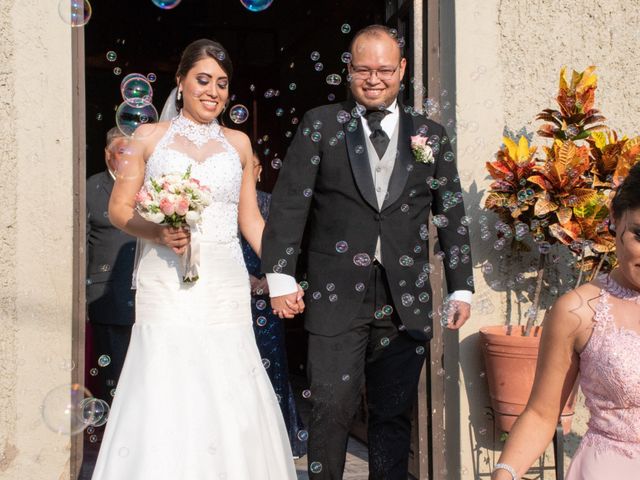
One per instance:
(110,258)
(325,194)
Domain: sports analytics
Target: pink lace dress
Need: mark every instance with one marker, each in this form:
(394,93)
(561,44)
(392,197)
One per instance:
(610,381)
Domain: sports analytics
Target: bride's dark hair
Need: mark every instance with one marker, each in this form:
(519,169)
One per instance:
(627,196)
(198,50)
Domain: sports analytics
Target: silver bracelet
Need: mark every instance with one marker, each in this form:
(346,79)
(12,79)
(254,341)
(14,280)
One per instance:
(508,468)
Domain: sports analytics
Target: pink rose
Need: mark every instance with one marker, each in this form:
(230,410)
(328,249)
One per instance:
(182,206)
(142,195)
(418,140)
(167,207)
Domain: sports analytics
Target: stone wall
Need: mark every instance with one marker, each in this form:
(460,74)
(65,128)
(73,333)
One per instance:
(36,236)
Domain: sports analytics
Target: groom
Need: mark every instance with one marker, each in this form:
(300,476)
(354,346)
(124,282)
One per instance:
(349,214)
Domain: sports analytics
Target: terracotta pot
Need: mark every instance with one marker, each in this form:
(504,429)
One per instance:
(510,363)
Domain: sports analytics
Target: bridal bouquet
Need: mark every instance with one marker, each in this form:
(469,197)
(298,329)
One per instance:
(176,200)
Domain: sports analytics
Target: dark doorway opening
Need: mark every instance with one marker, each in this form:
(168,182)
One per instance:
(277,74)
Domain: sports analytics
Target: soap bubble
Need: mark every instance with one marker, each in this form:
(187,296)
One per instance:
(406,261)
(346,57)
(362,260)
(334,79)
(360,287)
(62,408)
(276,163)
(76,13)
(292,86)
(407,299)
(128,118)
(346,28)
(256,5)
(166,4)
(343,116)
(136,91)
(112,56)
(318,67)
(104,360)
(315,467)
(238,114)
(94,411)
(440,221)
(342,246)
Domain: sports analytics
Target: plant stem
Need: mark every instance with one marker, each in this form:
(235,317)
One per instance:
(597,270)
(579,282)
(536,297)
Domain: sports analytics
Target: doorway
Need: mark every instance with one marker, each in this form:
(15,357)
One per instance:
(283,58)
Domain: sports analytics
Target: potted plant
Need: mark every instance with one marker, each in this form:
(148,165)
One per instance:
(561,198)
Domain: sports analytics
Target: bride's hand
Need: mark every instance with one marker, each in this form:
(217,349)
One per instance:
(175,238)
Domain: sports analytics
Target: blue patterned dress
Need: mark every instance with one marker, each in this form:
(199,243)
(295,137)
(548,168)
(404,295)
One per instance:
(269,331)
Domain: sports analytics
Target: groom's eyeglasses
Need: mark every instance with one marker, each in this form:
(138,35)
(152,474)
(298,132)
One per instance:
(364,73)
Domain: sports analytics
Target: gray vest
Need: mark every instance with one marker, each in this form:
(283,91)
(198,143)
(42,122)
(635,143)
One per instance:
(381,169)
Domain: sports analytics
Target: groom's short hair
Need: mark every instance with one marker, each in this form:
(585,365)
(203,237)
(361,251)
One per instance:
(375,31)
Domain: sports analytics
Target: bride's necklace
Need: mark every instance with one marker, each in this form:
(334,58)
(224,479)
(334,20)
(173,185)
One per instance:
(197,133)
(614,288)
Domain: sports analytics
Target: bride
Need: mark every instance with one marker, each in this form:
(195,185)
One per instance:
(194,401)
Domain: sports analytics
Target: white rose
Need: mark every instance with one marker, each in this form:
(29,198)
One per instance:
(157,217)
(192,217)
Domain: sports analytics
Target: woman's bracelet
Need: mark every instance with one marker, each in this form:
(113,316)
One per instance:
(508,468)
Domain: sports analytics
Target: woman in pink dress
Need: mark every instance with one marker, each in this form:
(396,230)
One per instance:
(593,330)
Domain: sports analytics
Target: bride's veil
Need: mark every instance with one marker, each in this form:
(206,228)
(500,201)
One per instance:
(169,110)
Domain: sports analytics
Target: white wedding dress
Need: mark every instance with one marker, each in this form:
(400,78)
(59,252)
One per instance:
(194,401)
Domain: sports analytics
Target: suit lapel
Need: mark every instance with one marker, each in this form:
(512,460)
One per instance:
(360,163)
(403,161)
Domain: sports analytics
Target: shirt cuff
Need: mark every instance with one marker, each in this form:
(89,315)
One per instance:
(460,295)
(282,284)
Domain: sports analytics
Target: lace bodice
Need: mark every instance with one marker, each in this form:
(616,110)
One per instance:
(214,162)
(610,378)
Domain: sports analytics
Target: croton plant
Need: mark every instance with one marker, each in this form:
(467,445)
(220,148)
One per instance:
(563,196)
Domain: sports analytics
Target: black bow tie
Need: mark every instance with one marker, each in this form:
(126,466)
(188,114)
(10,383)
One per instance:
(379,138)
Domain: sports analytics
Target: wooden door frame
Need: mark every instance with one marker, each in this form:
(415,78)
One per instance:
(79,227)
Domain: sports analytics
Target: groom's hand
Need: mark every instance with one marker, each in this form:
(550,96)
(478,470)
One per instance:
(288,306)
(458,315)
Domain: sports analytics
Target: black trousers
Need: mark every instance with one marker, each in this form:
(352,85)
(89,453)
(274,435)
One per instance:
(375,355)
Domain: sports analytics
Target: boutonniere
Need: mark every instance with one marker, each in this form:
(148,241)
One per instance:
(421,151)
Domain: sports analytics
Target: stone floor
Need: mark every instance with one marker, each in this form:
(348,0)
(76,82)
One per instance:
(356,467)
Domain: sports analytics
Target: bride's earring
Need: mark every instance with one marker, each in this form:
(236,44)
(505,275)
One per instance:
(179,97)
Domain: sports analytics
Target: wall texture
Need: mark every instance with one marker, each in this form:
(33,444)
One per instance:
(36,234)
(508,57)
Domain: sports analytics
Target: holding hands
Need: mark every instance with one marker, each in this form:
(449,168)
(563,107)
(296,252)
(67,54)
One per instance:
(288,306)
